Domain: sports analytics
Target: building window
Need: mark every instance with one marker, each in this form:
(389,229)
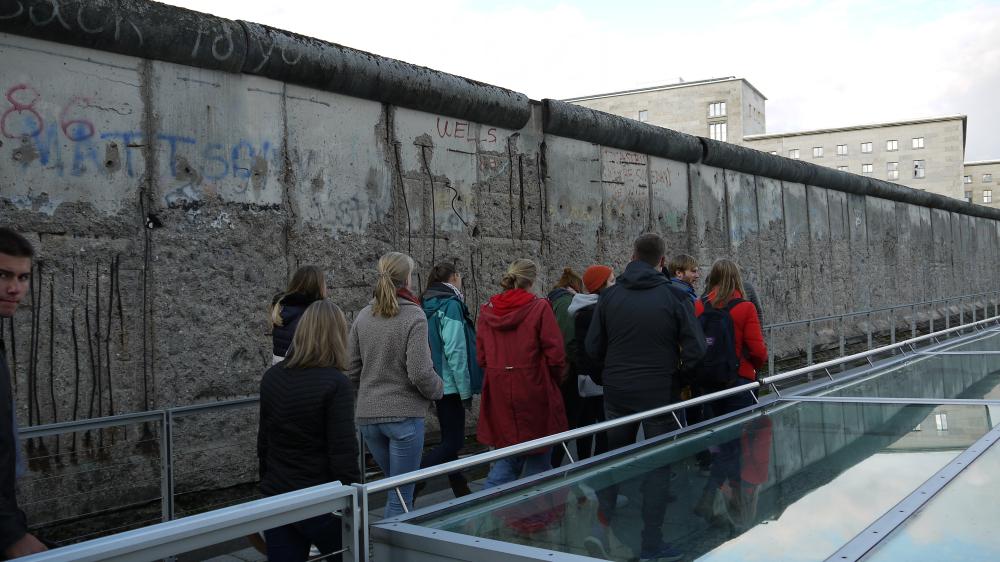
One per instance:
(866,169)
(968,197)
(817,152)
(717,131)
(717,109)
(866,148)
(643,115)
(841,150)
(892,145)
(918,169)
(893,170)
(966,179)
(842,168)
(941,421)
(793,153)
(987,196)
(918,142)
(987,178)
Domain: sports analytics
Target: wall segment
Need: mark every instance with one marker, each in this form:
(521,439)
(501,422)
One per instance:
(171,190)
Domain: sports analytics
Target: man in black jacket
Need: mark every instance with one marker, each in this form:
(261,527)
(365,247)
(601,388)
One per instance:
(15,275)
(644,336)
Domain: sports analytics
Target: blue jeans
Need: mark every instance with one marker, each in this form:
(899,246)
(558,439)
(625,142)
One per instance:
(290,543)
(511,468)
(397,447)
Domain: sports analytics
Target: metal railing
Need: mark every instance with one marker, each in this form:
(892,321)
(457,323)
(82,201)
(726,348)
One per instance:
(217,526)
(930,309)
(161,433)
(166,421)
(394,483)
(164,540)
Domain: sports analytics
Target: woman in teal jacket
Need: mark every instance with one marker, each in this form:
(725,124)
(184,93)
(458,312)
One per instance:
(453,349)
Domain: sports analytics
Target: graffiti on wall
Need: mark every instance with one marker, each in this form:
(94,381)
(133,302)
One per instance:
(70,143)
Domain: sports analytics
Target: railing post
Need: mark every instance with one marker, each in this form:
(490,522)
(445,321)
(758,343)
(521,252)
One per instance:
(869,324)
(892,326)
(167,466)
(809,345)
(913,321)
(349,529)
(947,315)
(770,352)
(961,312)
(843,339)
(361,520)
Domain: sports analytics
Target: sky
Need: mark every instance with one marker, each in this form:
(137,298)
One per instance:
(820,63)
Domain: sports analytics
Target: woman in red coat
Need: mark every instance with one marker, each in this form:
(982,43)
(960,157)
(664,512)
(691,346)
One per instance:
(724,285)
(520,349)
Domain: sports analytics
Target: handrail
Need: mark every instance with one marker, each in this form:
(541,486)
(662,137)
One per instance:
(89,424)
(815,367)
(542,442)
(198,531)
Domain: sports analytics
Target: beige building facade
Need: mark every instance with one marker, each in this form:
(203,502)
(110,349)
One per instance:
(980,181)
(925,154)
(724,109)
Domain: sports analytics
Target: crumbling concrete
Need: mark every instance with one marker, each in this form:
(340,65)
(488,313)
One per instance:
(171,198)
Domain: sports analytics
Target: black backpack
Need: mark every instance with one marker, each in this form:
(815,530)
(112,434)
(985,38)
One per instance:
(719,369)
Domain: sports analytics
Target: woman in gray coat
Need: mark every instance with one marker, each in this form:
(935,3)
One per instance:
(391,361)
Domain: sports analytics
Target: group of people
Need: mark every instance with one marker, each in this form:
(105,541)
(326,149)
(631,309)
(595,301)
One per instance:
(598,347)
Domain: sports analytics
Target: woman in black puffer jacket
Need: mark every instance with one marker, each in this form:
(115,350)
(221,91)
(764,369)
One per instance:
(308,286)
(307,434)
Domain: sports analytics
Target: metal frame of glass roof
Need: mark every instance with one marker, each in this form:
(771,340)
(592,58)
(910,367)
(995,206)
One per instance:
(406,534)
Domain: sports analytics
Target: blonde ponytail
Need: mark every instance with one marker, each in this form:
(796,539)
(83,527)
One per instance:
(520,275)
(394,270)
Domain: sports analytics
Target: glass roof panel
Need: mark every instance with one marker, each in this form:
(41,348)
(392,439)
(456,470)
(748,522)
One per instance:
(959,523)
(958,372)
(792,481)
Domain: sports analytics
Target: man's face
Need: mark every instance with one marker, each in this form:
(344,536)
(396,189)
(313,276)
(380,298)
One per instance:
(690,276)
(15,274)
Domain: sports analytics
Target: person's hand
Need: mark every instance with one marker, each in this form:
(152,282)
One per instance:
(26,545)
(467,404)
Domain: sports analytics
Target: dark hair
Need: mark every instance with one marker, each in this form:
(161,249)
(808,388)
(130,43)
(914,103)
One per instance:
(649,248)
(13,244)
(441,273)
(570,279)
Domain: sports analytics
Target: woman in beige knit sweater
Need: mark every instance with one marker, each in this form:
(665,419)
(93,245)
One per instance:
(391,361)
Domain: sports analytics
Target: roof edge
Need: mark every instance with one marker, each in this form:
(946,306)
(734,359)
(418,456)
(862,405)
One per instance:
(661,88)
(942,118)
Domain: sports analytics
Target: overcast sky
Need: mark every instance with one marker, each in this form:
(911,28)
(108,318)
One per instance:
(820,63)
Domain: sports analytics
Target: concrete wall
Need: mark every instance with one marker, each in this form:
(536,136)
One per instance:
(169,202)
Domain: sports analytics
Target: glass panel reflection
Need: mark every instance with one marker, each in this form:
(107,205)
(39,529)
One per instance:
(959,523)
(795,481)
(935,376)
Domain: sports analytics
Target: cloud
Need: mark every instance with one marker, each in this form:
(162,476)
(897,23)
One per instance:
(821,64)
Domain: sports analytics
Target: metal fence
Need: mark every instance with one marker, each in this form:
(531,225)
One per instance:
(228,523)
(865,328)
(166,540)
(121,472)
